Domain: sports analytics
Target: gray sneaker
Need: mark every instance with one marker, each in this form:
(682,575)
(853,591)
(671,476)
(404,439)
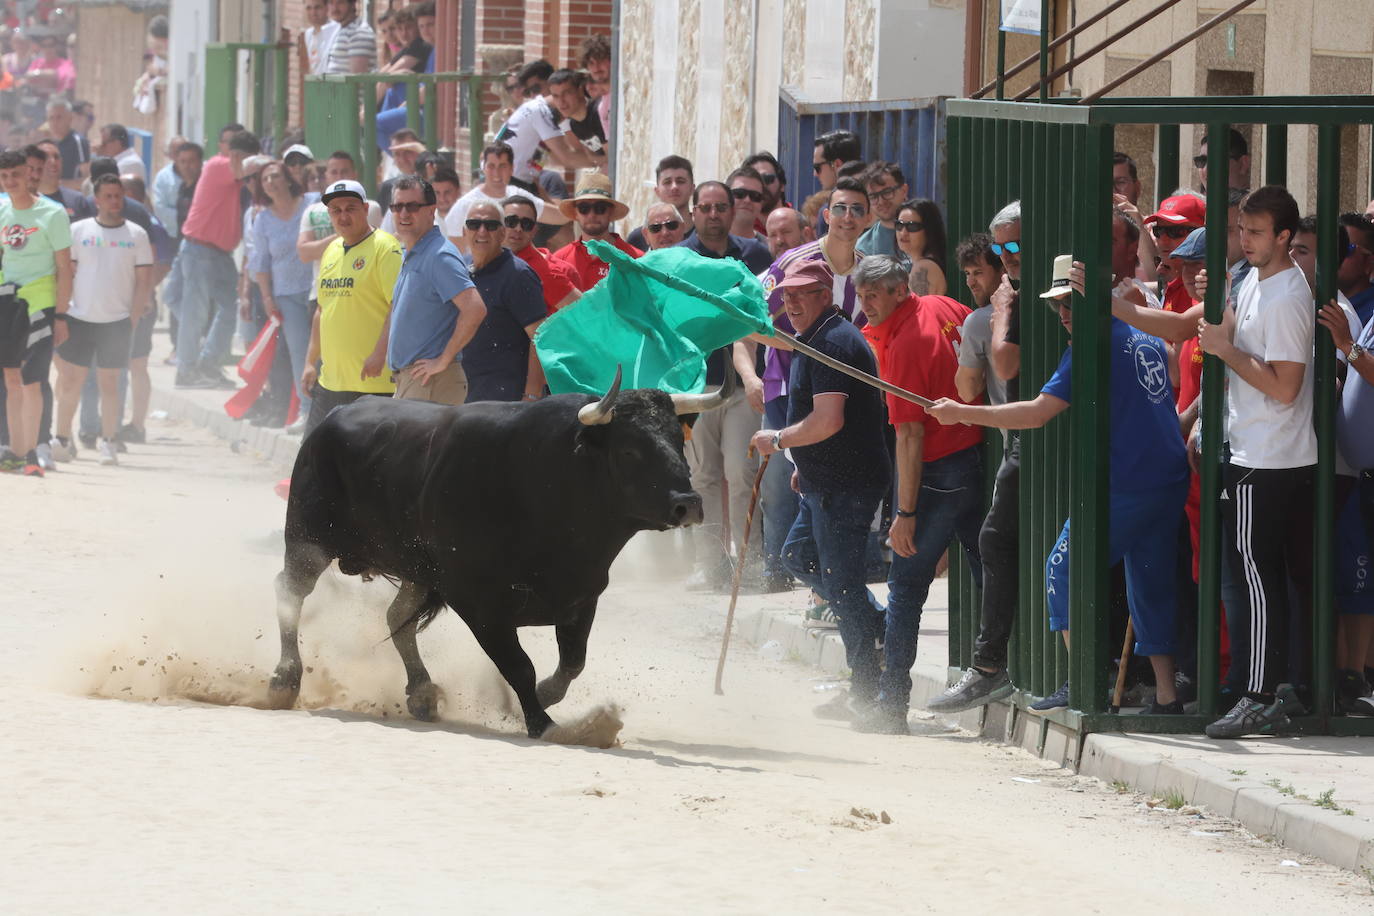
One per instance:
(973,689)
(1250,717)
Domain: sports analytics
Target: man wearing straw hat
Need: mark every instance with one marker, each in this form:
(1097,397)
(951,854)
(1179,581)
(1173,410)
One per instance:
(1148,473)
(594,209)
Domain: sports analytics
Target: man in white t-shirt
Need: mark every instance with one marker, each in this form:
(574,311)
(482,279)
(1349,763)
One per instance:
(111,288)
(354,48)
(1266,344)
(498,162)
(316,229)
(316,39)
(538,123)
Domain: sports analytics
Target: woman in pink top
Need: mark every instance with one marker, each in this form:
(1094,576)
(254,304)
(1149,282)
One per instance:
(51,72)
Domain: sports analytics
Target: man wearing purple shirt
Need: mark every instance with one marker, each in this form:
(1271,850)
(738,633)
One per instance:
(848,216)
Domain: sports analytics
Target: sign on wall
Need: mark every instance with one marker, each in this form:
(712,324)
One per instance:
(1021,16)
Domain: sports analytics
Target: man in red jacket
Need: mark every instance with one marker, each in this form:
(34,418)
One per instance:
(938,470)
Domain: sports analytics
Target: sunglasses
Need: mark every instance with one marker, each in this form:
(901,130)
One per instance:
(671,225)
(858,211)
(598,207)
(885,194)
(1172,232)
(1009,248)
(817,166)
(409,206)
(713,208)
(512,88)
(768,178)
(746,193)
(1200,162)
(519,222)
(491,225)
(911,225)
(529,92)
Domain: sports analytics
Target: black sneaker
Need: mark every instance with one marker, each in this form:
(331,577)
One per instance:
(88,441)
(882,720)
(1251,717)
(973,689)
(774,582)
(131,433)
(1057,700)
(192,379)
(1157,708)
(217,379)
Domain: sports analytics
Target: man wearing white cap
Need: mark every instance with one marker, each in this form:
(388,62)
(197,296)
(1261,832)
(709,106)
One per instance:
(1148,473)
(350,330)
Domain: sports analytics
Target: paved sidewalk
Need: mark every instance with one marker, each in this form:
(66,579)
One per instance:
(1268,784)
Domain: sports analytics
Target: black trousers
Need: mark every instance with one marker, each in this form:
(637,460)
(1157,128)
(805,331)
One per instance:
(1270,513)
(998,543)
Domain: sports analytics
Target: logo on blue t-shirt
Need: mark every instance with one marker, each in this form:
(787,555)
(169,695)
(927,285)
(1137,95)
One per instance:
(1151,366)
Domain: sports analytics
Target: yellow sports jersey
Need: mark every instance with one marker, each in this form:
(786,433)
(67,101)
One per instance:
(355,297)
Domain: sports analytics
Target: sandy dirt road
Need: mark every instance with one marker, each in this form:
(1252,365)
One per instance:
(151,582)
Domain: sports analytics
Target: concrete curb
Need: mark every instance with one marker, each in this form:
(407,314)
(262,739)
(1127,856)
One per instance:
(1346,842)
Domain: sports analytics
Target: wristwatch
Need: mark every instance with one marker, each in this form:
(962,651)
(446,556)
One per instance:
(901,514)
(777,441)
(1356,351)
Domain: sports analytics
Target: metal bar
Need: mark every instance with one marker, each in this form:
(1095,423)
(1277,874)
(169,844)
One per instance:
(431,119)
(369,134)
(1056,44)
(258,61)
(1044,47)
(476,136)
(1323,541)
(1276,154)
(1093,51)
(1001,81)
(413,105)
(1213,404)
(1155,58)
(1166,161)
(281,108)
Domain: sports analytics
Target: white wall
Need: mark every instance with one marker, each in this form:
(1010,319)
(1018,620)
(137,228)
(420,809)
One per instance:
(920,49)
(194,24)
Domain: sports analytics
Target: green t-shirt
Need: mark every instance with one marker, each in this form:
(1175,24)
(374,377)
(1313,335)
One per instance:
(30,238)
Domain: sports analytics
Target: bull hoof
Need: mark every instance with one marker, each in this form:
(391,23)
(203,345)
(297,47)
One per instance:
(283,690)
(551,690)
(423,702)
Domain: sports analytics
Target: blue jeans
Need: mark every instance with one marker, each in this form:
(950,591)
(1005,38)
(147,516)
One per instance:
(825,550)
(295,334)
(1142,527)
(949,505)
(779,500)
(209,298)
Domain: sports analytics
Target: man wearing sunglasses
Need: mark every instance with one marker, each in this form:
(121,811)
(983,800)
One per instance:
(774,183)
(674,182)
(594,209)
(746,187)
(498,164)
(717,453)
(435,307)
(1238,175)
(560,282)
(537,125)
(887,189)
(500,363)
(664,226)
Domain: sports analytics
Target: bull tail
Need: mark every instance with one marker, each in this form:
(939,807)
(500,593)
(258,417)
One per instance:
(424,615)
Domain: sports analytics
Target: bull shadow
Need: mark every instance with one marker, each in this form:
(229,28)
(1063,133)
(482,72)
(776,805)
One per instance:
(650,752)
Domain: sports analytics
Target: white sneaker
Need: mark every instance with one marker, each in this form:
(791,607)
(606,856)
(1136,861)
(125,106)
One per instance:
(108,455)
(45,457)
(60,452)
(297,428)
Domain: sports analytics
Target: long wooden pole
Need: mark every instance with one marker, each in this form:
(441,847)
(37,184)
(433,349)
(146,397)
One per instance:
(739,571)
(850,371)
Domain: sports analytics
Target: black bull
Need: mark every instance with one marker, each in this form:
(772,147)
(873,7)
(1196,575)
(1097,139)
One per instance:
(509,513)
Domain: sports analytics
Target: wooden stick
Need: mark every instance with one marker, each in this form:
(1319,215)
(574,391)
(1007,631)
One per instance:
(1126,645)
(850,371)
(739,570)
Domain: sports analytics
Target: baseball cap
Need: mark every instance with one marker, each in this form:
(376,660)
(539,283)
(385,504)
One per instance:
(806,272)
(1182,210)
(298,149)
(254,164)
(1194,247)
(344,188)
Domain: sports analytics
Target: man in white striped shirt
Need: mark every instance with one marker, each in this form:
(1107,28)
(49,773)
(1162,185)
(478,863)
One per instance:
(355,44)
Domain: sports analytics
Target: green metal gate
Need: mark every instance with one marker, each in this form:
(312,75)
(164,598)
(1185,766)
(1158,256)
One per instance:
(221,89)
(1056,157)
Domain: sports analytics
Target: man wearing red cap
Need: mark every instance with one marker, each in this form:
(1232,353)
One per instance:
(939,468)
(1177,216)
(835,438)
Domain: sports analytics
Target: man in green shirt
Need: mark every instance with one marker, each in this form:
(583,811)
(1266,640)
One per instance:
(35,237)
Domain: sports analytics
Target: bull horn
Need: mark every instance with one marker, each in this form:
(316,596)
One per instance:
(700,403)
(603,411)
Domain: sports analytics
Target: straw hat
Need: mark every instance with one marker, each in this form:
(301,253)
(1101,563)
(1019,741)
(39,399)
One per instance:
(1059,285)
(593,186)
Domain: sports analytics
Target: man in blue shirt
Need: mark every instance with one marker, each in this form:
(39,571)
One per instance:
(501,364)
(836,440)
(718,450)
(435,308)
(1149,482)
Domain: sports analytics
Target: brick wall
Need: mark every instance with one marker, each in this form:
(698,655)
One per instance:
(291,16)
(555,29)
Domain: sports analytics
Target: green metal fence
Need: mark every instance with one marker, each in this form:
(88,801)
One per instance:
(1056,157)
(271,75)
(341,113)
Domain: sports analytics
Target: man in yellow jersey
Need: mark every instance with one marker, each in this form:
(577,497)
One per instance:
(349,332)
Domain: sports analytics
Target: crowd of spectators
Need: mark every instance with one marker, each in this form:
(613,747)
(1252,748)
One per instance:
(435,290)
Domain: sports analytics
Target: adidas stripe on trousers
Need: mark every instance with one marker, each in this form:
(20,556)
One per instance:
(1270,513)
